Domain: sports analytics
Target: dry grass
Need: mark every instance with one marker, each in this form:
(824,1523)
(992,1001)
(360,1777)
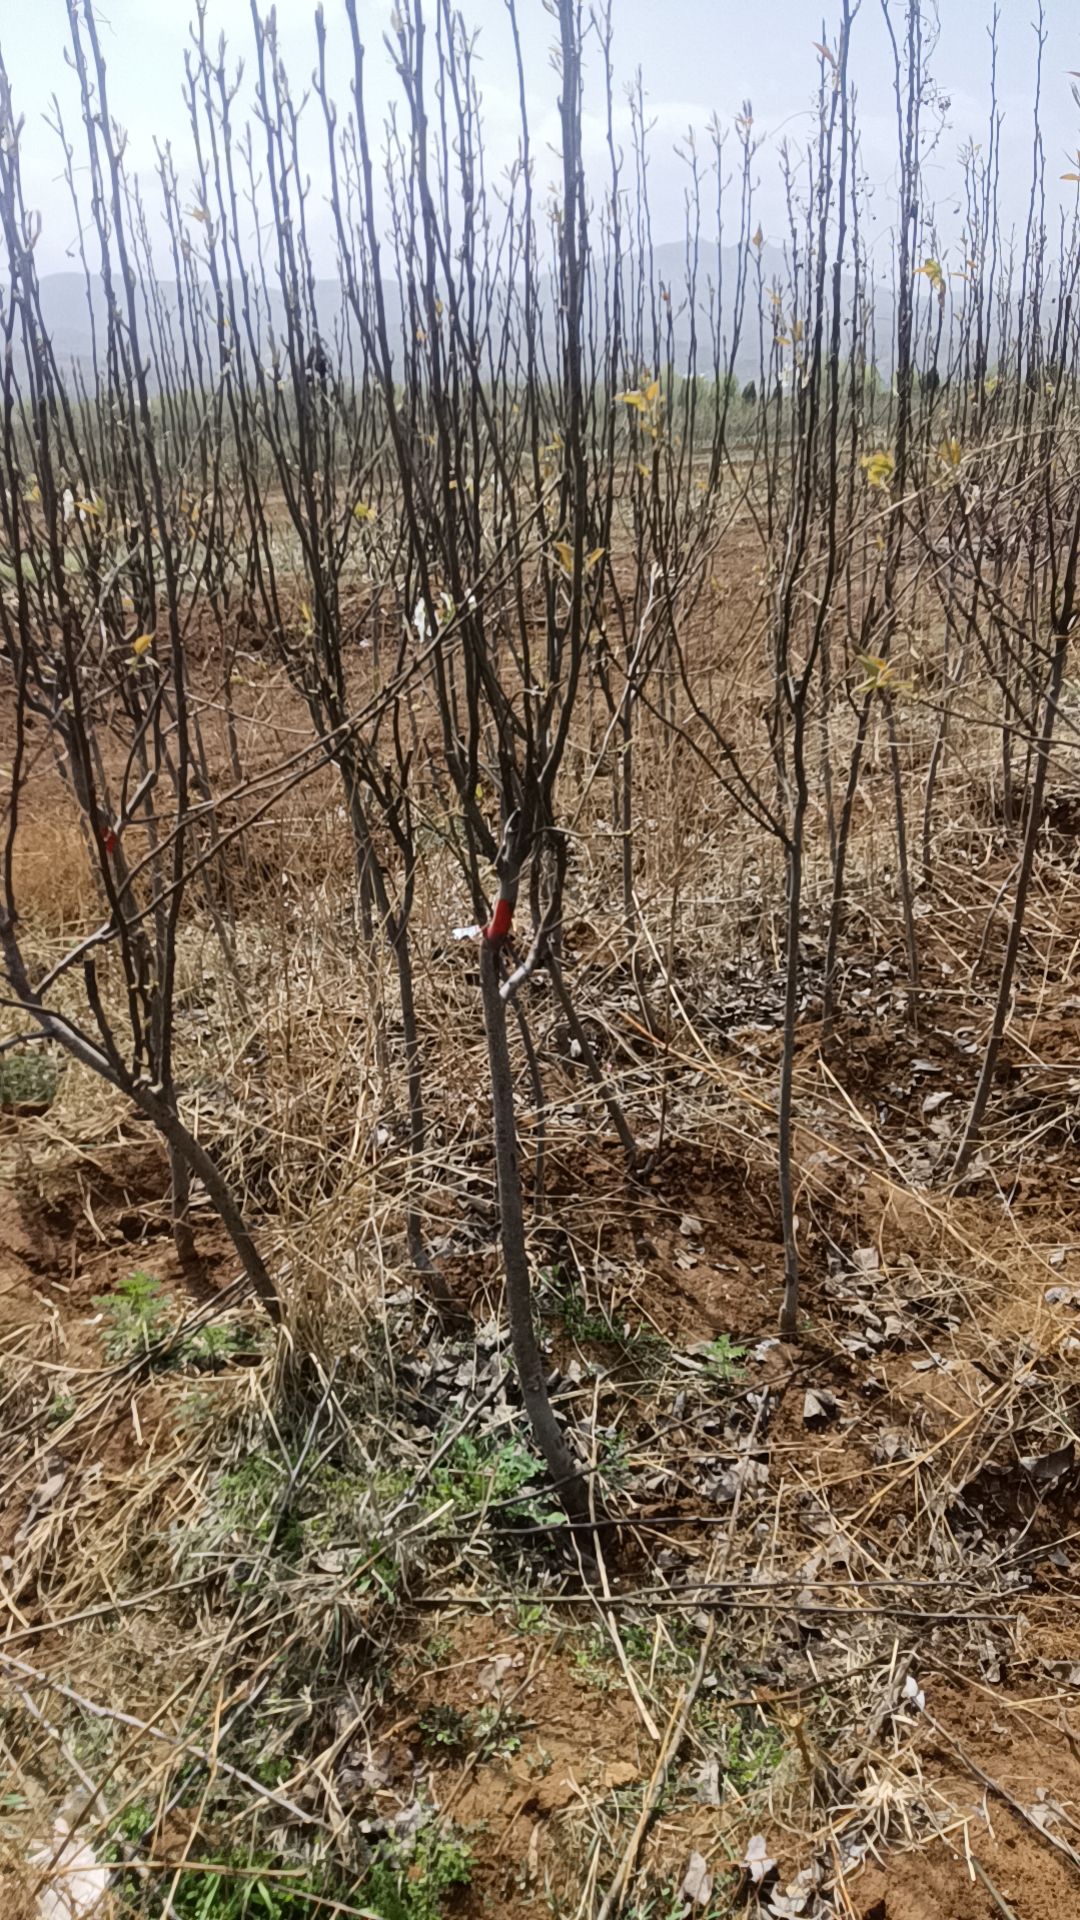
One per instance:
(53,880)
(265,1563)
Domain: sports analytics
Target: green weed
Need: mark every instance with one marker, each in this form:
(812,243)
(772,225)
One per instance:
(28,1080)
(529,1618)
(724,1358)
(248,1496)
(242,1887)
(485,1472)
(136,1316)
(214,1346)
(747,1748)
(411,1883)
(586,1326)
(446,1727)
(404,1881)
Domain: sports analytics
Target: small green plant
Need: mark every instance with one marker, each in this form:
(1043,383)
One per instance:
(488,1732)
(495,1732)
(243,1887)
(753,1753)
(28,1080)
(248,1495)
(128,1825)
(592,1661)
(675,1651)
(598,1665)
(411,1882)
(585,1326)
(136,1316)
(666,1904)
(484,1472)
(748,1748)
(614,1461)
(213,1346)
(248,1883)
(724,1359)
(446,1727)
(580,1322)
(529,1618)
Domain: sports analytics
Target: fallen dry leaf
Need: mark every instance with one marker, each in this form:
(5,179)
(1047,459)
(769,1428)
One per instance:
(697,1883)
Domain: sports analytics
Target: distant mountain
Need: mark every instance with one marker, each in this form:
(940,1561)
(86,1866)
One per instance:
(70,321)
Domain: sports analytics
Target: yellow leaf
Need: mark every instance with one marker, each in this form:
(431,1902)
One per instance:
(878,468)
(1071,176)
(633,399)
(951,452)
(565,553)
(88,506)
(363,512)
(757,239)
(652,393)
(594,558)
(877,670)
(824,52)
(932,271)
(143,644)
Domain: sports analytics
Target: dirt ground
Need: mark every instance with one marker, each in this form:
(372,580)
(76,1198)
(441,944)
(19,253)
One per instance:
(866,1540)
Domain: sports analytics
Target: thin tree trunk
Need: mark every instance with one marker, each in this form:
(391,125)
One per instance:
(415,1092)
(969,1139)
(626,821)
(183,1235)
(565,1471)
(789,1308)
(903,868)
(589,1061)
(836,905)
(537,1083)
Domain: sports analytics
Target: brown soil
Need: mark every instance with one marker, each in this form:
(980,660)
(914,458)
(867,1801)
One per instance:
(916,1440)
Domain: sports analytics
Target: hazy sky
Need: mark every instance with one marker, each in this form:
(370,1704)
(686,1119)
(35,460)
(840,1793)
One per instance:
(696,56)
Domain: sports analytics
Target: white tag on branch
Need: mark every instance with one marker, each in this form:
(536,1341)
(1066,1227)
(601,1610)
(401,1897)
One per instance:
(698,1882)
(467,933)
(914,1693)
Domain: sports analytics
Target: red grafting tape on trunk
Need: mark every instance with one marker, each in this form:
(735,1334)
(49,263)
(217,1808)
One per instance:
(500,921)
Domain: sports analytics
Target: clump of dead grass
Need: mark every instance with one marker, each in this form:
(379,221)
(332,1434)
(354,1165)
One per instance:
(54,885)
